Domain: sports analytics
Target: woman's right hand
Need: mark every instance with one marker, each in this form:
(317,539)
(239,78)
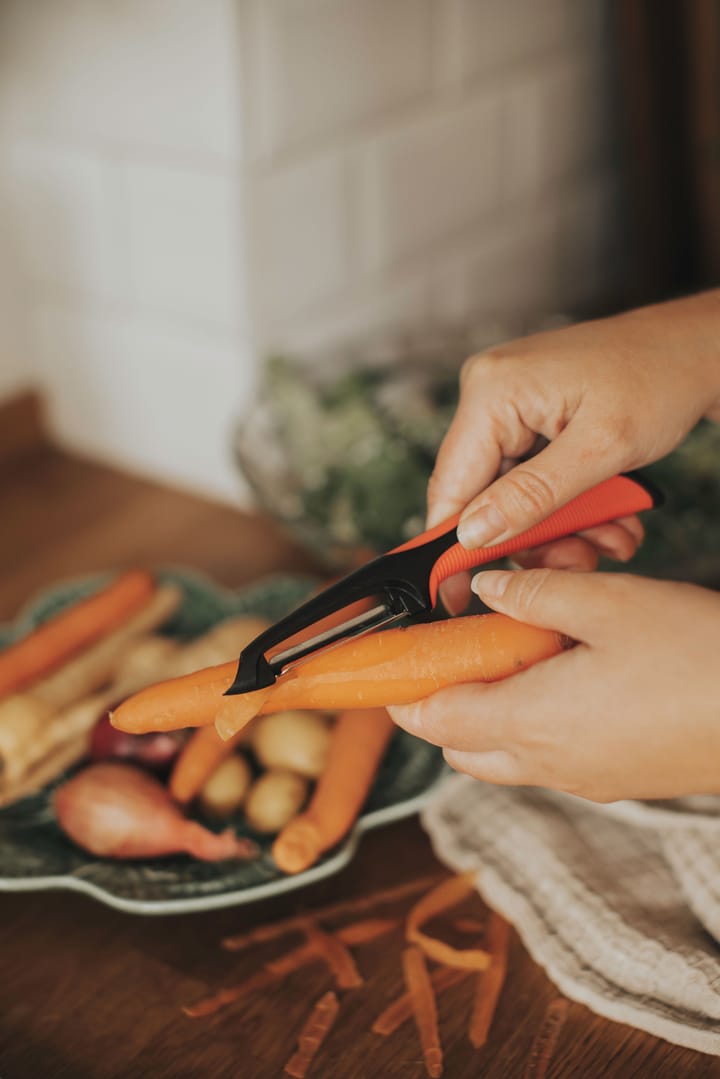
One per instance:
(598,398)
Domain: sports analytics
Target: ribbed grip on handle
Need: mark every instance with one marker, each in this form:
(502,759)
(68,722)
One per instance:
(620,496)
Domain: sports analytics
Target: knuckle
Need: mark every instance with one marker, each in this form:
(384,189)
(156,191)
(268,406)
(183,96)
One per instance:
(526,491)
(482,364)
(471,367)
(528,586)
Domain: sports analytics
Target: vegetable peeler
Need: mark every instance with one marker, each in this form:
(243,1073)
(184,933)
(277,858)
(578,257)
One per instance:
(404,583)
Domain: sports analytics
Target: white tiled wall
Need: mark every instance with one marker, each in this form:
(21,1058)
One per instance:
(187,183)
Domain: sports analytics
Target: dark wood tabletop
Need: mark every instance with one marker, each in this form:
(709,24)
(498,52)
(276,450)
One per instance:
(87,992)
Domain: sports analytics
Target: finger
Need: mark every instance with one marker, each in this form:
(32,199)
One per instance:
(467,461)
(613,540)
(585,606)
(459,717)
(497,767)
(571,553)
(534,489)
(456,593)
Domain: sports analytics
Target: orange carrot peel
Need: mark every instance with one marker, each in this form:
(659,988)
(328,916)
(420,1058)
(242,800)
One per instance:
(446,895)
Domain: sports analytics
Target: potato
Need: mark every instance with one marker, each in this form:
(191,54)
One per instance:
(296,741)
(226,788)
(274,799)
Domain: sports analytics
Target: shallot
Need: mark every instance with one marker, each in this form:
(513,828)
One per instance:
(153,751)
(117,811)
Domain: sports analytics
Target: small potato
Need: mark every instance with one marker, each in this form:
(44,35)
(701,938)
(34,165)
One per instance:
(274,799)
(226,788)
(296,741)
(145,660)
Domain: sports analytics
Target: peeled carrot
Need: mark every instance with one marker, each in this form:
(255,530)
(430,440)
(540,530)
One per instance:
(198,759)
(67,633)
(397,666)
(357,746)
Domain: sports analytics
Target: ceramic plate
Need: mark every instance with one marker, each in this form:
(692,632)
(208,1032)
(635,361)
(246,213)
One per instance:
(35,855)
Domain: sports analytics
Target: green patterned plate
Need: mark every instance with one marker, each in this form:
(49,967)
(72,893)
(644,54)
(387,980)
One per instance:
(35,855)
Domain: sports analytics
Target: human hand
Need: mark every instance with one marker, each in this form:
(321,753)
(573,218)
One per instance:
(633,711)
(595,399)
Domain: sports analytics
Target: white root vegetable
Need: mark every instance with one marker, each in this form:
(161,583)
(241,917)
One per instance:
(23,721)
(218,645)
(146,660)
(274,799)
(296,741)
(227,787)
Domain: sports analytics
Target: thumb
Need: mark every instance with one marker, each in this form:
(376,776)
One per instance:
(580,605)
(532,490)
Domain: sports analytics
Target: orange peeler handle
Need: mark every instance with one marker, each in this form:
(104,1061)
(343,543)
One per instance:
(620,496)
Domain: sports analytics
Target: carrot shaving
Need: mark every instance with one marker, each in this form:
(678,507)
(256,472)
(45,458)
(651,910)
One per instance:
(489,985)
(447,894)
(357,933)
(262,934)
(365,931)
(312,1035)
(212,1004)
(472,926)
(458,958)
(292,961)
(422,997)
(400,1009)
(546,1039)
(335,953)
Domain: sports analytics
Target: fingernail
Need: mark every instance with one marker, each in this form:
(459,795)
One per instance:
(491,584)
(481,527)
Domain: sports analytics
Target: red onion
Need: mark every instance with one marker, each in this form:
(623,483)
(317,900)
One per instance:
(154,751)
(117,811)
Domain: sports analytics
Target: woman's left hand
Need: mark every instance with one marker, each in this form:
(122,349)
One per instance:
(632,712)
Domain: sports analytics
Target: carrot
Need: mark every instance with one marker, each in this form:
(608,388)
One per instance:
(357,746)
(67,633)
(489,985)
(312,1035)
(397,666)
(422,997)
(199,758)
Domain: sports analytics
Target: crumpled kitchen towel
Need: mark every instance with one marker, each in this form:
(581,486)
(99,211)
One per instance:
(619,903)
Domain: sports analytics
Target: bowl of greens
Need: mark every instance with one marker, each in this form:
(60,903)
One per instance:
(340,451)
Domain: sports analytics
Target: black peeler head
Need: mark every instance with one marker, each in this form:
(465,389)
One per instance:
(395,586)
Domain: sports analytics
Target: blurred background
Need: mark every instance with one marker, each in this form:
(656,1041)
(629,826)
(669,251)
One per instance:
(189,187)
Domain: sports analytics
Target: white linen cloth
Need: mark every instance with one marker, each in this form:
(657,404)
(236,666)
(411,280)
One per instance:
(619,903)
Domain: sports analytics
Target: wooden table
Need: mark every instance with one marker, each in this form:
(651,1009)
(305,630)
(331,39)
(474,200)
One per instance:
(90,993)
